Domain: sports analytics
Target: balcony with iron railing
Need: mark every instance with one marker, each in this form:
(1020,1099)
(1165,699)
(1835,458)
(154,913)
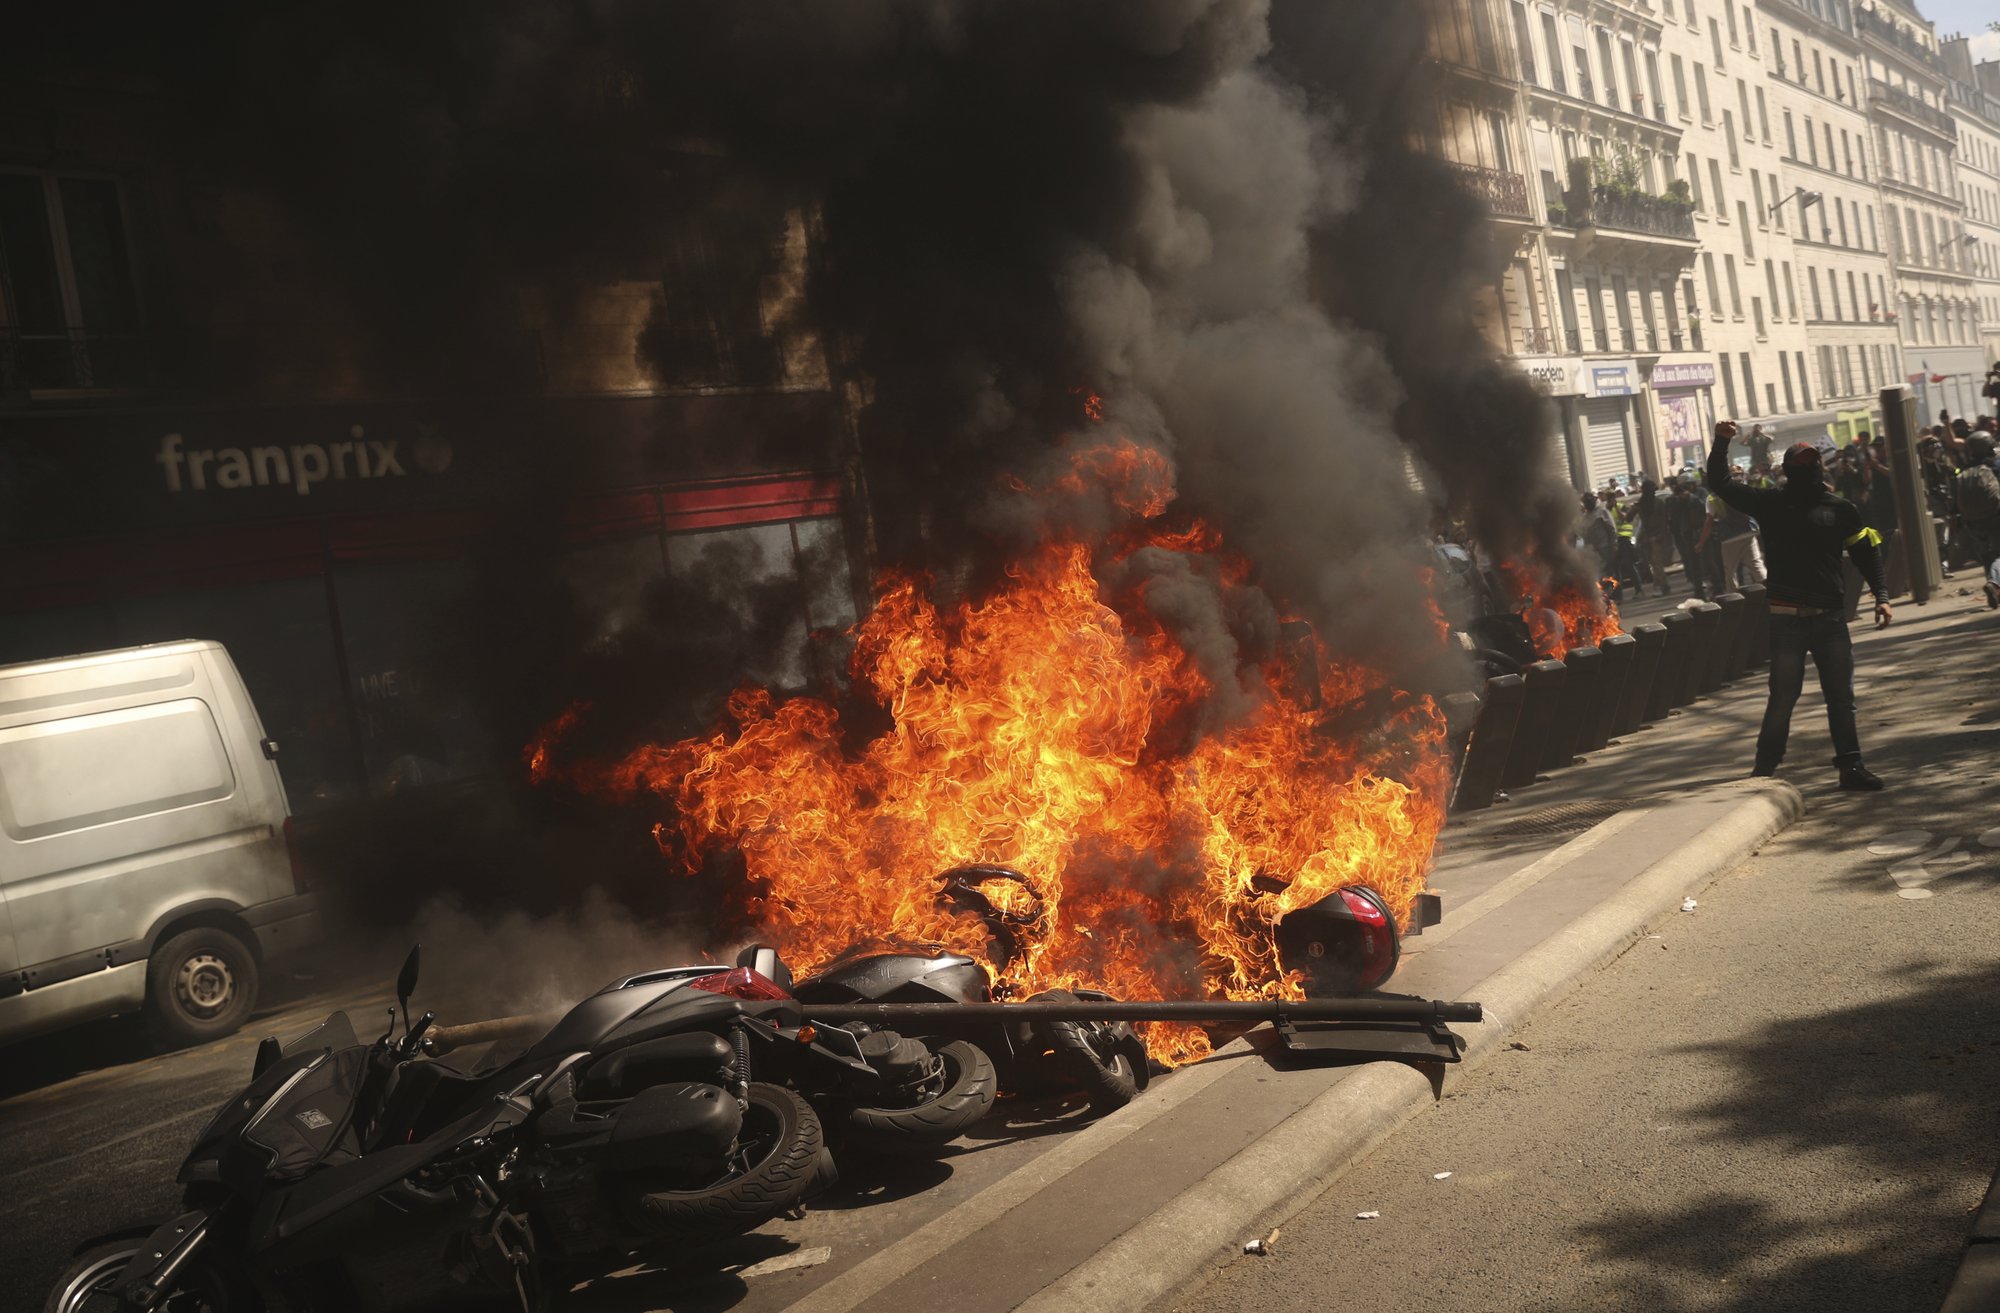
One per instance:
(1628,212)
(1902,102)
(1504,194)
(1894,35)
(73,361)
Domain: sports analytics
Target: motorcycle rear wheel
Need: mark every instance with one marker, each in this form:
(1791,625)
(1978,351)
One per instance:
(90,1284)
(1089,1054)
(969,1085)
(775,1165)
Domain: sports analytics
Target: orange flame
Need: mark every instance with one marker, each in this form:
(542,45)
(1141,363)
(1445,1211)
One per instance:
(1041,729)
(1563,616)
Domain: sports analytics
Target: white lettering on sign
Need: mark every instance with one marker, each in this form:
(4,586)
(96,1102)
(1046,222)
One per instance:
(301,465)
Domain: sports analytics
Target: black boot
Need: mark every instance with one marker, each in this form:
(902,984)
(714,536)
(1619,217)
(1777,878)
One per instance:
(1858,777)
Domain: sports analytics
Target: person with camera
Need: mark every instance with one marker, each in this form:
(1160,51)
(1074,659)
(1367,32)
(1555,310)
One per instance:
(1805,529)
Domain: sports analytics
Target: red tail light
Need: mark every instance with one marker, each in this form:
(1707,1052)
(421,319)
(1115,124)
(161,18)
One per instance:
(740,983)
(300,882)
(1379,945)
(1343,944)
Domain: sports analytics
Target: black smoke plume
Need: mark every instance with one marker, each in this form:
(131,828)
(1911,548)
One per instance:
(1210,218)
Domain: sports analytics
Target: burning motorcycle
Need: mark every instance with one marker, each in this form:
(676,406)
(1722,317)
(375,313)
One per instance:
(351,1175)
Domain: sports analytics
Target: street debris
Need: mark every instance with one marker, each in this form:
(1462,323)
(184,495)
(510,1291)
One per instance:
(787,1262)
(1368,1216)
(1517,1046)
(1263,1244)
(1688,904)
(1440,1176)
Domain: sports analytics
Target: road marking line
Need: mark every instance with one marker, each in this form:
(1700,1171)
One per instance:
(876,1272)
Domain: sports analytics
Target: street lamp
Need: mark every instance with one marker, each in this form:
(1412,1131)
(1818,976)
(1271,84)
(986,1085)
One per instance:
(1806,199)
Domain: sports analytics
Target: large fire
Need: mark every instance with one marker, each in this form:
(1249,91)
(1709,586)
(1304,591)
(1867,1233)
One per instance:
(1049,729)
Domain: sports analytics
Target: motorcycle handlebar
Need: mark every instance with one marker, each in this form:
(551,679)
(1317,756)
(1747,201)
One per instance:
(443,1039)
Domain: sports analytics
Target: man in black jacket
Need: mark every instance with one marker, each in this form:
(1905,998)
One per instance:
(1805,529)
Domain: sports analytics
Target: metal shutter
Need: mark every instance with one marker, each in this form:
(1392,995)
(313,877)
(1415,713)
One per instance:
(1604,450)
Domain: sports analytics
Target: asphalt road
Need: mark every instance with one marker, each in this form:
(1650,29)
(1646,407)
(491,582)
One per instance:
(1785,1101)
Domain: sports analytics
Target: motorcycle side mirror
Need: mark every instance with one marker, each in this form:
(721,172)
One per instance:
(764,960)
(406,979)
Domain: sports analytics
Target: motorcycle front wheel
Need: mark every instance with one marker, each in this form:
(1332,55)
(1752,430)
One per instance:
(91,1283)
(773,1166)
(965,1086)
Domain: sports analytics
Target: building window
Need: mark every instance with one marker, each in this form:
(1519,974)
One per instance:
(70,313)
(1701,93)
(1606,67)
(1791,297)
(1729,134)
(1784,363)
(1653,83)
(1680,86)
(1694,179)
(1805,387)
(1584,87)
(1743,221)
(1524,44)
(1763,117)
(1553,44)
(1791,138)
(1594,292)
(1749,382)
(1715,41)
(1715,185)
(1812,144)
(1728,383)
(1735,288)
(1812,284)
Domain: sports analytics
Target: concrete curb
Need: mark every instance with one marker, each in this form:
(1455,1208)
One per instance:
(1206,1225)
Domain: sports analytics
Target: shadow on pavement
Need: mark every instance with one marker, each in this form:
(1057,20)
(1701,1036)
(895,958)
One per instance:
(1906,1083)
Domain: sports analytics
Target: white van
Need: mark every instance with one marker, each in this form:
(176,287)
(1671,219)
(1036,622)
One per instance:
(145,843)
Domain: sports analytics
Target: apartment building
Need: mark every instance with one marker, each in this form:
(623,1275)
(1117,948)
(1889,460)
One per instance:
(1842,275)
(1616,259)
(1732,161)
(1915,141)
(1975,108)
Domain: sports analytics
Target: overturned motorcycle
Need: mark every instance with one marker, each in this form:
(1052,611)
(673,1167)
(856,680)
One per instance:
(670,1108)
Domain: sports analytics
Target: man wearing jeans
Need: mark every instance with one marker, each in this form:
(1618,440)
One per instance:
(1805,529)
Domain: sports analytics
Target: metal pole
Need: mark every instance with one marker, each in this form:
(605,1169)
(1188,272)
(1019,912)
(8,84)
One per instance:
(1312,1009)
(1913,514)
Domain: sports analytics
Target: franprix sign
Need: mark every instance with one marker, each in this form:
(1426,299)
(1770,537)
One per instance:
(80,471)
(298,465)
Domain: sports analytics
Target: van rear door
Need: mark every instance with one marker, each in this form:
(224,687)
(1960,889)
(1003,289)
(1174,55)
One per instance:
(120,806)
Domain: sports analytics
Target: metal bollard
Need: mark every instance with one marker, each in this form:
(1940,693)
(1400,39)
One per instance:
(1673,664)
(1565,737)
(1614,669)
(1722,667)
(1647,641)
(1756,627)
(1539,711)
(1492,739)
(1701,643)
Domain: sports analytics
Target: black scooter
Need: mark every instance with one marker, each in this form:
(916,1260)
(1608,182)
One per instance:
(352,1176)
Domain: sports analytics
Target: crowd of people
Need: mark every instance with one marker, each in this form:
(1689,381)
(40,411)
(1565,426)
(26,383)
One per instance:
(1638,536)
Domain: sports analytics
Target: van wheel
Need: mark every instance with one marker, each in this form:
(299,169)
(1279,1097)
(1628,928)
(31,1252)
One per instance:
(200,985)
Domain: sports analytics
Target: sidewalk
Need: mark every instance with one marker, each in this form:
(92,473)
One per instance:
(1123,1213)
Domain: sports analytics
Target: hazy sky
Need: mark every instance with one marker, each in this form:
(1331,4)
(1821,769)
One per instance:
(1969,17)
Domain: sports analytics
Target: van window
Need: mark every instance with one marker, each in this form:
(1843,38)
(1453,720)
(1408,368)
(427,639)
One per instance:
(63,775)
